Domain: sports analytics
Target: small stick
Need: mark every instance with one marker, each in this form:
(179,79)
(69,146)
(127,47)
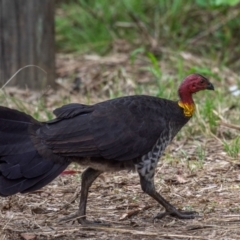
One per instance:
(18,72)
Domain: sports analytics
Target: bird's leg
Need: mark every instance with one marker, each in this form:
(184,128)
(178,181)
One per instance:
(88,177)
(149,188)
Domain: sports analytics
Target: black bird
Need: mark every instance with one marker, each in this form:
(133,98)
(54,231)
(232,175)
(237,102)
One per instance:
(124,133)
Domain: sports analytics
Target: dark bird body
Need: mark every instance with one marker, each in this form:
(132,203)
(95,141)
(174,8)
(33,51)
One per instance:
(124,133)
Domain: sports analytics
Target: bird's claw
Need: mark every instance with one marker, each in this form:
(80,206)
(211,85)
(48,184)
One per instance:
(83,221)
(178,214)
(71,217)
(96,223)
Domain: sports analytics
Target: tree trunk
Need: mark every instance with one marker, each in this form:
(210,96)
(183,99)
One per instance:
(27,38)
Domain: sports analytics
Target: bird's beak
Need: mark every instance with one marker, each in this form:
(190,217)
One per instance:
(210,86)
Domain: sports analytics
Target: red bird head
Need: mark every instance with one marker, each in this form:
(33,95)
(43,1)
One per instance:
(192,84)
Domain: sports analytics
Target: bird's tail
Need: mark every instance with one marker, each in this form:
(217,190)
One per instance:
(23,167)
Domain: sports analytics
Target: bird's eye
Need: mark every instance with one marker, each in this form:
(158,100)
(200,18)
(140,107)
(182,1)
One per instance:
(202,81)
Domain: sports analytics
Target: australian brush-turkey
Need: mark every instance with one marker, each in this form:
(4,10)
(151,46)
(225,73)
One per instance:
(124,133)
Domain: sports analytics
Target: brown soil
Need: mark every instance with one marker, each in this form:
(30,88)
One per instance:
(212,189)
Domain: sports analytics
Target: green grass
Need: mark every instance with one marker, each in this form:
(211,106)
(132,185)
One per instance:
(204,28)
(232,147)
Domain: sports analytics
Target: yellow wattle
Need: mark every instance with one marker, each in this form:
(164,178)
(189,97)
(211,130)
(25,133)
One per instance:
(188,109)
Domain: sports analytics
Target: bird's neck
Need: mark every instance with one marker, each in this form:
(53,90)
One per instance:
(186,102)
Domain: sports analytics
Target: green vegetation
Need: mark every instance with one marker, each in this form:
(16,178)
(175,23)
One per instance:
(232,147)
(202,27)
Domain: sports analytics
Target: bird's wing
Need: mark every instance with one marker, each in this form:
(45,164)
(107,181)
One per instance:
(69,133)
(120,129)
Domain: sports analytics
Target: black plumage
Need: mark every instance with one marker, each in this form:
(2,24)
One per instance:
(119,129)
(123,133)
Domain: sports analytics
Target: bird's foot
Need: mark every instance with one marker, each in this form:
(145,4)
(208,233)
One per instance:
(178,214)
(96,223)
(71,217)
(83,221)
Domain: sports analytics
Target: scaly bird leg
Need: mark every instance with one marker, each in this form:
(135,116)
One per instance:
(148,187)
(88,177)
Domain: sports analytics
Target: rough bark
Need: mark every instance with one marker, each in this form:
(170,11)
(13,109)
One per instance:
(27,37)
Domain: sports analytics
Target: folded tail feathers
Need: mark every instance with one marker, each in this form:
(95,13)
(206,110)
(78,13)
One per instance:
(22,167)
